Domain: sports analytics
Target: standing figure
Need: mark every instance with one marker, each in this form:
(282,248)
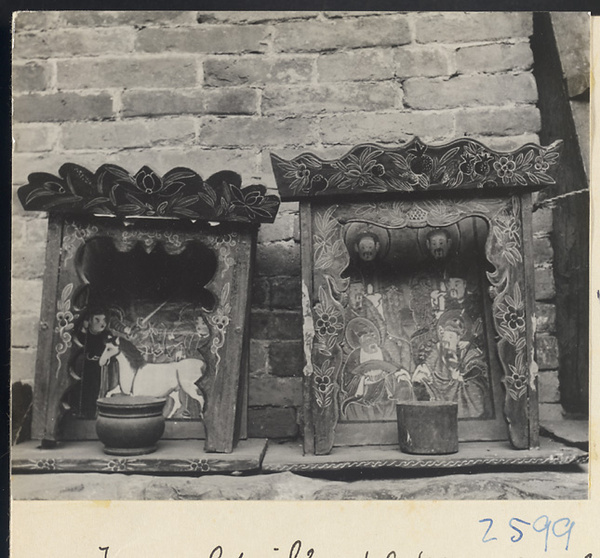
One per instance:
(90,339)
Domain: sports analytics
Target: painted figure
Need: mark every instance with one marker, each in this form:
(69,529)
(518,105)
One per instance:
(373,384)
(89,339)
(454,369)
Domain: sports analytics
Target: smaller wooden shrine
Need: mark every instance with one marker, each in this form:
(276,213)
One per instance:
(417,274)
(158,269)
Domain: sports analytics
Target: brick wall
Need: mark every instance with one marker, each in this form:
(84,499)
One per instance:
(225,89)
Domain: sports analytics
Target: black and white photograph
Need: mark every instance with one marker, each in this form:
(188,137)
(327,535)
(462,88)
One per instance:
(302,255)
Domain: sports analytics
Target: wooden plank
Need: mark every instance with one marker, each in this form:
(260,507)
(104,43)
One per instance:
(223,401)
(177,457)
(288,457)
(43,366)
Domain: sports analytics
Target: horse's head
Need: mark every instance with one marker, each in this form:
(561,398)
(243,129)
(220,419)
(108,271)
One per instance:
(111,349)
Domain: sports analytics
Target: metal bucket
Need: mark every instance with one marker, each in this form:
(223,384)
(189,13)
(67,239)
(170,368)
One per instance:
(428,427)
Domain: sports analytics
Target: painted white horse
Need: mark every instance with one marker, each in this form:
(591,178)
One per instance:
(138,377)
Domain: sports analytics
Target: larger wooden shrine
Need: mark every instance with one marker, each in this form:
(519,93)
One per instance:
(160,267)
(418,285)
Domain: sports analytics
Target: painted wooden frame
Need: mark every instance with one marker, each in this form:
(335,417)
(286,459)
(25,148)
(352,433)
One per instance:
(417,186)
(174,212)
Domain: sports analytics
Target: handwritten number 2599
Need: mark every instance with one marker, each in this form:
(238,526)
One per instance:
(560,528)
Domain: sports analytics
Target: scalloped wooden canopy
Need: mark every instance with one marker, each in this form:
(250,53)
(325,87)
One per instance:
(180,194)
(462,164)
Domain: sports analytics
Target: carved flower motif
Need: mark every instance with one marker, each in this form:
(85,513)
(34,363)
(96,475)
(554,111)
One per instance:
(540,164)
(514,318)
(518,379)
(148,181)
(328,323)
(322,383)
(378,170)
(201,465)
(221,321)
(45,464)
(505,168)
(117,465)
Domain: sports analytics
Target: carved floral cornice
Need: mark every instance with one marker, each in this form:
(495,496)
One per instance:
(459,165)
(180,194)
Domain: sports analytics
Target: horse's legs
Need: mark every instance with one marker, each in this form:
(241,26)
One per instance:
(174,395)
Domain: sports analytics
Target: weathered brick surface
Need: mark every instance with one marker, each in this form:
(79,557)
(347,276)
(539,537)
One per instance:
(542,250)
(279,258)
(278,392)
(133,72)
(456,28)
(281,229)
(35,137)
(494,58)
(551,412)
(218,39)
(24,330)
(134,18)
(546,351)
(274,422)
(357,65)
(62,107)
(411,61)
(277,324)
(350,33)
(251,16)
(26,296)
(548,383)
(545,315)
(329,98)
(542,220)
(258,362)
(108,135)
(73,42)
(31,76)
(466,91)
(503,121)
(245,132)
(27,260)
(544,284)
(192,101)
(286,292)
(387,127)
(22,365)
(286,358)
(28,21)
(257,70)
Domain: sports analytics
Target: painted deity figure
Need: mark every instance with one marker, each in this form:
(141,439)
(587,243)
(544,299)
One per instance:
(453,368)
(372,382)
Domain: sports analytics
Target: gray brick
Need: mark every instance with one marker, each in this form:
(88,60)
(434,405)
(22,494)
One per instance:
(35,21)
(504,121)
(276,324)
(278,258)
(549,388)
(544,284)
(62,107)
(26,296)
(411,61)
(36,137)
(387,127)
(246,131)
(542,220)
(128,72)
(22,365)
(258,358)
(73,42)
(329,98)
(276,392)
(546,351)
(460,27)
(90,18)
(218,39)
(465,91)
(542,250)
(286,293)
(286,358)
(357,65)
(32,76)
(272,422)
(336,34)
(257,70)
(545,315)
(494,58)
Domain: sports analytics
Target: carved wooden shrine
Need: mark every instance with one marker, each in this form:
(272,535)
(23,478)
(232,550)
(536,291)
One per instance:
(418,285)
(159,268)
